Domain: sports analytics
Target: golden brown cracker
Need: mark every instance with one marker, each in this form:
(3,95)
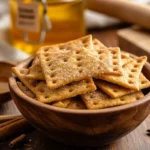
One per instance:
(110,56)
(131,72)
(69,66)
(83,42)
(47,95)
(98,99)
(21,74)
(71,103)
(35,71)
(114,90)
(25,90)
(125,58)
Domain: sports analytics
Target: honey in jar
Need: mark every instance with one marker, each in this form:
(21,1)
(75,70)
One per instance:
(43,22)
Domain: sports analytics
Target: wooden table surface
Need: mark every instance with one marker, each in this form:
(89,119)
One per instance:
(136,140)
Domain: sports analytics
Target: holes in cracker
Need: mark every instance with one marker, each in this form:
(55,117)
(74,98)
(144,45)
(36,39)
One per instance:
(49,64)
(139,61)
(54,81)
(113,52)
(138,97)
(79,64)
(122,99)
(87,81)
(84,41)
(100,57)
(46,49)
(52,68)
(46,55)
(52,75)
(61,47)
(78,58)
(115,63)
(135,66)
(91,96)
(115,69)
(95,42)
(114,57)
(133,70)
(95,103)
(130,82)
(65,60)
(123,57)
(46,96)
(115,90)
(131,75)
(80,71)
(47,59)
(77,52)
(143,82)
(70,90)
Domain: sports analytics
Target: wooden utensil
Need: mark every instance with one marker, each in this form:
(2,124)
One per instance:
(125,10)
(5,73)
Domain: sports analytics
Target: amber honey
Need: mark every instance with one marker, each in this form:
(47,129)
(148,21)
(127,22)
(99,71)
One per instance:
(66,18)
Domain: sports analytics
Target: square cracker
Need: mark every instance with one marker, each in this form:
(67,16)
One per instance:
(83,42)
(35,71)
(98,99)
(69,66)
(72,103)
(131,72)
(25,90)
(47,95)
(114,90)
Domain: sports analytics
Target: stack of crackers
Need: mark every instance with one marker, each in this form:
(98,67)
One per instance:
(83,74)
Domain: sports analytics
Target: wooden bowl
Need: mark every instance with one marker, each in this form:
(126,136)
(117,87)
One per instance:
(82,127)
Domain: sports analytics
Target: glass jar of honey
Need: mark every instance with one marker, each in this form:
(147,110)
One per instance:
(35,23)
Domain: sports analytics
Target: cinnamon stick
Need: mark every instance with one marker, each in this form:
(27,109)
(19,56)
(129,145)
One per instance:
(9,122)
(8,117)
(17,140)
(16,127)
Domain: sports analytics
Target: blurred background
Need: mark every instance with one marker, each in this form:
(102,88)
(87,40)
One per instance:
(26,25)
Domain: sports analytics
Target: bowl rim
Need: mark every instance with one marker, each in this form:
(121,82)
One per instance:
(13,85)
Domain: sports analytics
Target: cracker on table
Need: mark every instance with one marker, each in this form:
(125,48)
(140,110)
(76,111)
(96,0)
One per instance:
(25,90)
(47,95)
(131,72)
(114,90)
(72,103)
(69,66)
(83,42)
(98,99)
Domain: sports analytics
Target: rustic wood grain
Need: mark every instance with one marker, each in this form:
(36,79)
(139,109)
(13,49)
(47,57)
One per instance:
(136,140)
